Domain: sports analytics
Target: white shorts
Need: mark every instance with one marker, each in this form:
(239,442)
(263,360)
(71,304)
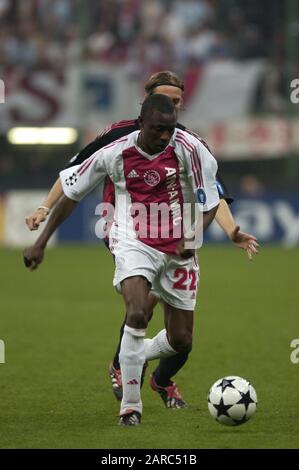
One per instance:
(173,278)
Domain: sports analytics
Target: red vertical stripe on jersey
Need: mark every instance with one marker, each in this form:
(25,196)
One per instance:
(194,169)
(198,164)
(166,190)
(195,161)
(85,165)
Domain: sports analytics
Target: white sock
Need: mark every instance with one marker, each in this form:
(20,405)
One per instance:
(158,347)
(131,359)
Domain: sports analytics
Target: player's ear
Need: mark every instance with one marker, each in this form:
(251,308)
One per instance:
(141,122)
(182,105)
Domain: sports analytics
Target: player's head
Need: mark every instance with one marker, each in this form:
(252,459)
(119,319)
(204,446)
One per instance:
(157,121)
(166,83)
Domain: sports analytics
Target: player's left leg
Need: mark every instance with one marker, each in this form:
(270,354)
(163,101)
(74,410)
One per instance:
(179,326)
(178,284)
(168,367)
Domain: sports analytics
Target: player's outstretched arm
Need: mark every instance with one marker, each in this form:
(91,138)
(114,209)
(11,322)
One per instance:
(33,220)
(242,240)
(33,256)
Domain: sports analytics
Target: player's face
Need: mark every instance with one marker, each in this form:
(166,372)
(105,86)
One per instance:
(174,93)
(156,131)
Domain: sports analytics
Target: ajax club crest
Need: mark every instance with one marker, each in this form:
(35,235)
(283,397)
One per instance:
(152,177)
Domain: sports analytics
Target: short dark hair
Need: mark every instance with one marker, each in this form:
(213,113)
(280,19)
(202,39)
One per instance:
(165,77)
(157,102)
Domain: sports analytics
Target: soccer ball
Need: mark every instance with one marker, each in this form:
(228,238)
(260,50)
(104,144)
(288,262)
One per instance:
(232,400)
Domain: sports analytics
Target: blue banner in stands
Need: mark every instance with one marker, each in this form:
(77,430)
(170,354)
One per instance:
(271,217)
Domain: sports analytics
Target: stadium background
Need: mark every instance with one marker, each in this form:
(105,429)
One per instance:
(82,64)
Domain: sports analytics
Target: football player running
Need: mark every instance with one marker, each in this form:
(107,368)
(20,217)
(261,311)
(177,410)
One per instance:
(169,84)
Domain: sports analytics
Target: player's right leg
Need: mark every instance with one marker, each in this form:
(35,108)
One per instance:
(136,268)
(114,366)
(132,354)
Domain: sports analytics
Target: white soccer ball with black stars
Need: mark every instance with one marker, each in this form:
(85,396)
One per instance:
(232,400)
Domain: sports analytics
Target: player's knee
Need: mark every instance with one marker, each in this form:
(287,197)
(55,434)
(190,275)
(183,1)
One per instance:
(183,343)
(137,318)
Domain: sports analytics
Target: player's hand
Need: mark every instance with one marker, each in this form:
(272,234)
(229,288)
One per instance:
(33,220)
(183,252)
(245,241)
(33,256)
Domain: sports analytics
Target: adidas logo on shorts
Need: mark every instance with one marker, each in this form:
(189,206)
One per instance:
(132,382)
(133,174)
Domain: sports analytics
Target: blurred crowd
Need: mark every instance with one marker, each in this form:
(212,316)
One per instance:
(144,36)
(146,33)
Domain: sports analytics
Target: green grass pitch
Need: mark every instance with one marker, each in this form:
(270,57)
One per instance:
(60,326)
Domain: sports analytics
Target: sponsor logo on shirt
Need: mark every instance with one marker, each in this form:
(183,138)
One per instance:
(173,195)
(133,174)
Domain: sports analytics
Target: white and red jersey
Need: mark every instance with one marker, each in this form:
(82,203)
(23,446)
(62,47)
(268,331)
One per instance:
(185,172)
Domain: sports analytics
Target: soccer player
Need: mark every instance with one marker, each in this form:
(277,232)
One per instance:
(159,164)
(171,85)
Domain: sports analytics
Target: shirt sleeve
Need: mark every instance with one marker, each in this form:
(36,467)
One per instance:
(202,175)
(101,141)
(222,190)
(79,180)
(221,186)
